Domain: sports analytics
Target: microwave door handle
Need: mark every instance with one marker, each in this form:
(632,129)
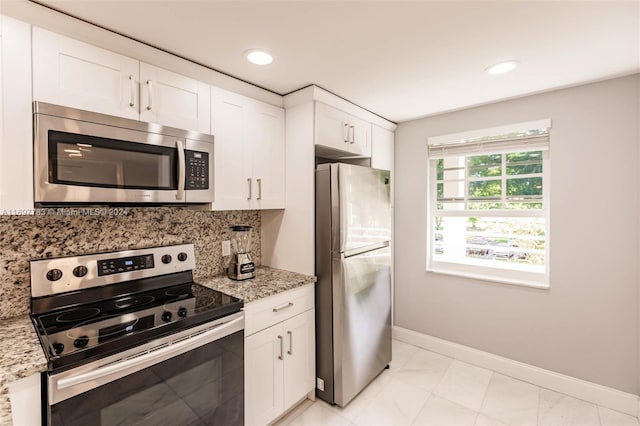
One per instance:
(181,170)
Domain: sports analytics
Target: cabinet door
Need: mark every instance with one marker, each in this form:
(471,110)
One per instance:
(299,355)
(174,100)
(233,173)
(16,138)
(267,146)
(381,149)
(79,75)
(360,137)
(263,369)
(332,127)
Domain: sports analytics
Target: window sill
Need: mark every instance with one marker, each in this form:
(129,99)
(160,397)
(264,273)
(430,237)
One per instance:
(491,279)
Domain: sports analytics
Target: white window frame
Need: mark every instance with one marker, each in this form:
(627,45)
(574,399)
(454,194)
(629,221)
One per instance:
(471,144)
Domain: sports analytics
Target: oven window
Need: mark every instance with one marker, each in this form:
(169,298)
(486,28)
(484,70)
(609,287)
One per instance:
(108,163)
(204,386)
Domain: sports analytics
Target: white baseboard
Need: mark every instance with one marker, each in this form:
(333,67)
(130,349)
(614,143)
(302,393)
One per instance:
(601,395)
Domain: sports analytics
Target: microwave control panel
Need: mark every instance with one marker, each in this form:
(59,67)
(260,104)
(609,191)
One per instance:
(197,170)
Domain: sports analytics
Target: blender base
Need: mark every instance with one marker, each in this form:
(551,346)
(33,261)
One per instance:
(241,267)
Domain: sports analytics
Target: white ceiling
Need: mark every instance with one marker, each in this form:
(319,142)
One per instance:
(401,60)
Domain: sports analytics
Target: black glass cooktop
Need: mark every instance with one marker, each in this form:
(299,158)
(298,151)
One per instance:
(82,332)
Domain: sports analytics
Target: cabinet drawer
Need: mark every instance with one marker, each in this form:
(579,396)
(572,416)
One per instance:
(266,312)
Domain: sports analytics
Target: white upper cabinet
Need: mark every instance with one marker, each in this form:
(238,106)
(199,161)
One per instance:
(174,100)
(268,155)
(382,143)
(249,152)
(338,130)
(233,174)
(16,136)
(79,75)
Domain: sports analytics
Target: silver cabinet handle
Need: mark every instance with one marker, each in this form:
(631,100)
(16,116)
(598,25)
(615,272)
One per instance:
(281,347)
(345,133)
(259,189)
(181,170)
(279,308)
(249,182)
(150,103)
(132,98)
(352,137)
(290,351)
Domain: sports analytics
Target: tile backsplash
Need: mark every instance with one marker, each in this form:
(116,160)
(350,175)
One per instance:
(70,232)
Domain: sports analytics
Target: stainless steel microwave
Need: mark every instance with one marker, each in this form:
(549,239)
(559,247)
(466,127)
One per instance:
(82,157)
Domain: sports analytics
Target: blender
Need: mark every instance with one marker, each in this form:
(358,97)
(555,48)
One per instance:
(241,266)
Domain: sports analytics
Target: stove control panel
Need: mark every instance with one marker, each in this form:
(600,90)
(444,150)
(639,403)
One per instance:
(125,264)
(53,276)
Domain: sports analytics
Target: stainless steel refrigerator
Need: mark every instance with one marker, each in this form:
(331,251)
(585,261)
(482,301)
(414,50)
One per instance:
(353,292)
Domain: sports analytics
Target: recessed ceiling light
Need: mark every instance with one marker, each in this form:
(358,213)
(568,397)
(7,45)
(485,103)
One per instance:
(502,67)
(258,57)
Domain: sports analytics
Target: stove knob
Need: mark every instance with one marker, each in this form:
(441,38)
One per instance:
(182,312)
(182,256)
(166,258)
(54,274)
(58,348)
(166,316)
(80,271)
(81,342)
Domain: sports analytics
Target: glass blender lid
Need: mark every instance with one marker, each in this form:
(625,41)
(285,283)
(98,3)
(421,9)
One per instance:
(241,239)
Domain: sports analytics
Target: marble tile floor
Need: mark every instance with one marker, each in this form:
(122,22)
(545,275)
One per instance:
(425,388)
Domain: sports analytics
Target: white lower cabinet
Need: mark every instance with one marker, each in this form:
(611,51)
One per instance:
(25,395)
(279,359)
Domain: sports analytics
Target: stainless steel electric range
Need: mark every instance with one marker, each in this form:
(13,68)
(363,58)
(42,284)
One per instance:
(131,339)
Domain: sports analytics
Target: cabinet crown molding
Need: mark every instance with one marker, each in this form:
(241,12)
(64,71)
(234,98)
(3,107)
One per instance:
(315,93)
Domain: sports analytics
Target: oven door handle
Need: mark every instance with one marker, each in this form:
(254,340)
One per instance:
(131,365)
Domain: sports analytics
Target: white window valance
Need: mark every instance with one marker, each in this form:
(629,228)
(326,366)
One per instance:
(528,136)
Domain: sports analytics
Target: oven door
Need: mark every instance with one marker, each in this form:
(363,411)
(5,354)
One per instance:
(195,377)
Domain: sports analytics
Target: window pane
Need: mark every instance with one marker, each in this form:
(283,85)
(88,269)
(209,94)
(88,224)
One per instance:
(485,189)
(439,169)
(524,205)
(483,206)
(525,186)
(494,242)
(485,165)
(522,163)
(519,157)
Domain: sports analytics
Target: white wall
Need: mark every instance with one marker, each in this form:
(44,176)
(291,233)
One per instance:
(587,324)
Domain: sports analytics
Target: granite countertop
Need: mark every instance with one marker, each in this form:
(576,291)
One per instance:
(23,356)
(20,357)
(268,282)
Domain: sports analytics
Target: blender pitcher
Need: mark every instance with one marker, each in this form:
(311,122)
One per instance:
(241,266)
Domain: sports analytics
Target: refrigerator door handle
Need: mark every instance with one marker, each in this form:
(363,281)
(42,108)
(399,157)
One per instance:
(365,249)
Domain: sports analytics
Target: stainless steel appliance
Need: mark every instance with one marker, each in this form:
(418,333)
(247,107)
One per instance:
(131,339)
(241,267)
(353,292)
(86,157)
